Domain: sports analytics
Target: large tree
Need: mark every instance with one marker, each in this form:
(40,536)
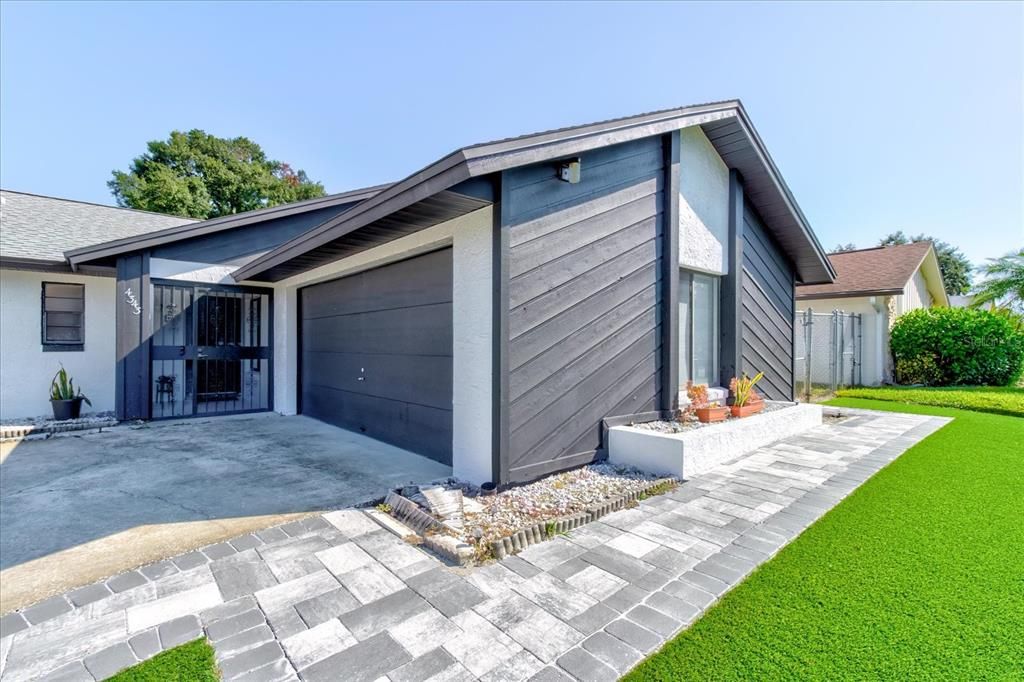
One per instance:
(198,175)
(956,269)
(1003,285)
(843,248)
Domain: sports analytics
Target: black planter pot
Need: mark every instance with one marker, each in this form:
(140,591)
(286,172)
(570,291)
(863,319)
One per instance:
(66,409)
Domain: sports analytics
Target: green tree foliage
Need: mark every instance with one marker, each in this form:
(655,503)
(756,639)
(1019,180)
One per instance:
(198,175)
(956,269)
(1004,283)
(843,248)
(957,347)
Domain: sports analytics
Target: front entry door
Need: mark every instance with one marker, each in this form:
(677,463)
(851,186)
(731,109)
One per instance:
(211,350)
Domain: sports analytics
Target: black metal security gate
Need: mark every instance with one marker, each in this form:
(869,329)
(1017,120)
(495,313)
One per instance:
(211,350)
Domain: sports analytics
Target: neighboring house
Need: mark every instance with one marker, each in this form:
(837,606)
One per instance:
(490,311)
(50,316)
(880,284)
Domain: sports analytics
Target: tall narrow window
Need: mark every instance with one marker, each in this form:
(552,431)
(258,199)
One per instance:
(698,328)
(63,322)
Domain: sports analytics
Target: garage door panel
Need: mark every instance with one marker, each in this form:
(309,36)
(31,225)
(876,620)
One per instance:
(418,281)
(423,380)
(423,330)
(424,430)
(376,353)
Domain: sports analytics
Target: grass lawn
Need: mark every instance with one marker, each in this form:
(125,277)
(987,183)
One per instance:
(994,399)
(192,662)
(919,574)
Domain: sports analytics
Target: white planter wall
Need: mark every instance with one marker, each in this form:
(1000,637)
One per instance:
(699,450)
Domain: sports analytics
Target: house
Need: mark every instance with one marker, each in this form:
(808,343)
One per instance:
(879,284)
(495,310)
(49,315)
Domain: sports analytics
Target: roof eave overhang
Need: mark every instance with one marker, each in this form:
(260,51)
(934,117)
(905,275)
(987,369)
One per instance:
(495,157)
(860,293)
(116,247)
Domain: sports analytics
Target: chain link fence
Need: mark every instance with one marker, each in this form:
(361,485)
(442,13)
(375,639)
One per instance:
(829,349)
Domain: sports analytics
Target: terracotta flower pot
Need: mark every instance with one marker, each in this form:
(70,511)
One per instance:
(709,415)
(747,410)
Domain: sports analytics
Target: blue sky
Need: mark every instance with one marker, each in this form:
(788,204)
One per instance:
(880,116)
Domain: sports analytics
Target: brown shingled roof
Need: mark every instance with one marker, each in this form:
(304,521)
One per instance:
(881,271)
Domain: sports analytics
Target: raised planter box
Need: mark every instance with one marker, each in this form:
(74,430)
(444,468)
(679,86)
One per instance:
(699,450)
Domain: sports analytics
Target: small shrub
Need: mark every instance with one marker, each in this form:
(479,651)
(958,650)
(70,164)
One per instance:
(384,507)
(549,529)
(955,347)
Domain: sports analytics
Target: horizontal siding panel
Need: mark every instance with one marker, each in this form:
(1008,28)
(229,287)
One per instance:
(639,382)
(580,342)
(557,220)
(584,322)
(541,395)
(560,299)
(573,239)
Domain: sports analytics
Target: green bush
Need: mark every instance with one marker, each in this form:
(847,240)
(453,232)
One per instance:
(955,347)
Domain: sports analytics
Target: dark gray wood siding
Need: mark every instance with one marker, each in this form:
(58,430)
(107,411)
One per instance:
(230,245)
(133,322)
(584,323)
(376,353)
(767,314)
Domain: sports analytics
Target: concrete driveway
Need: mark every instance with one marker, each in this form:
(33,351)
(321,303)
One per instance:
(76,509)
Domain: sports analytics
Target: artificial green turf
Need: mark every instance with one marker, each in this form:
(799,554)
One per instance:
(192,662)
(994,399)
(919,574)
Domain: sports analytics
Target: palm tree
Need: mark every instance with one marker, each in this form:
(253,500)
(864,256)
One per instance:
(1003,286)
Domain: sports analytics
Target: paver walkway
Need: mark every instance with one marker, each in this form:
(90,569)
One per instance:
(338,598)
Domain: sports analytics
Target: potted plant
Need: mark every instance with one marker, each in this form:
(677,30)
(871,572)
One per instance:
(745,400)
(707,412)
(66,401)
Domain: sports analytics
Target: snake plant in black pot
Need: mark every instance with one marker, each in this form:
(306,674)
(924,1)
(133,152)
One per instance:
(65,398)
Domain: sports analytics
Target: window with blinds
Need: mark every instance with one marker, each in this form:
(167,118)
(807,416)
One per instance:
(63,316)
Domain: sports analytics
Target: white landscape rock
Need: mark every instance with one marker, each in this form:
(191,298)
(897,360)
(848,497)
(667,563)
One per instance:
(695,451)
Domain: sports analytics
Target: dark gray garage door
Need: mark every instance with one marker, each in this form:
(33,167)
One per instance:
(377,353)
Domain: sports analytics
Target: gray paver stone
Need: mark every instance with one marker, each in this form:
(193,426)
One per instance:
(594,618)
(682,611)
(88,594)
(45,610)
(218,551)
(239,578)
(637,636)
(422,667)
(551,674)
(269,535)
(228,609)
(626,598)
(520,566)
(690,593)
(126,581)
(379,615)
(190,560)
(286,622)
(244,542)
(612,651)
(585,666)
(180,630)
(146,644)
(243,641)
(655,621)
(251,659)
(159,569)
(705,582)
(71,672)
(226,627)
(111,660)
(11,623)
(326,606)
(362,662)
(278,671)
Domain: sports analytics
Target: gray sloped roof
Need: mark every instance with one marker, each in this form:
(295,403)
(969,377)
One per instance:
(41,228)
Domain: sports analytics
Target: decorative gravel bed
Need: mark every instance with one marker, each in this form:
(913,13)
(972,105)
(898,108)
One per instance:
(691,422)
(534,512)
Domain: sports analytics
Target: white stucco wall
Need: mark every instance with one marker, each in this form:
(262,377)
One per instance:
(470,238)
(874,335)
(188,271)
(703,204)
(26,371)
